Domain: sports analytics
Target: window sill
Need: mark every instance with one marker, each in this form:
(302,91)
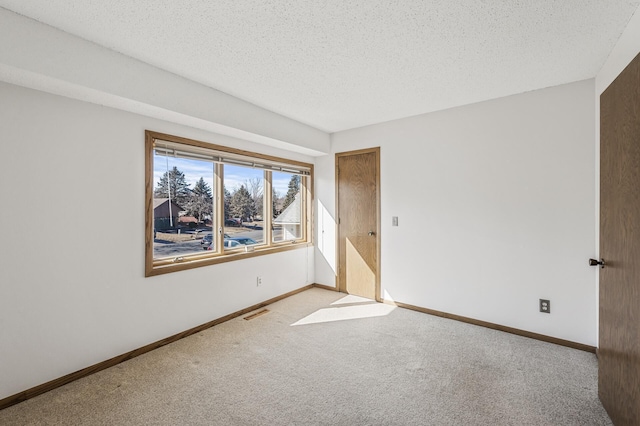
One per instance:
(164,266)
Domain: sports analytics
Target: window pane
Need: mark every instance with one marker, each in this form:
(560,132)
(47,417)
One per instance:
(243,206)
(182,206)
(287,206)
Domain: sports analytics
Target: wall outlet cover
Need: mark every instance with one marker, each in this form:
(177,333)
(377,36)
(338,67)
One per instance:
(545,306)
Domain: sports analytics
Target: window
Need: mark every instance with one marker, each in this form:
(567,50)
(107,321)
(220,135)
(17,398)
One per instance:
(287,208)
(244,206)
(208,204)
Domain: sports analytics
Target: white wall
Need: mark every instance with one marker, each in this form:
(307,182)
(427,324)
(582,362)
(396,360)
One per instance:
(325,223)
(495,203)
(72,286)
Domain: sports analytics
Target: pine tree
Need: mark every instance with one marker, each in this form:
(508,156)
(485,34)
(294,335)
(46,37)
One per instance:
(294,188)
(227,203)
(241,204)
(179,188)
(200,201)
(275,197)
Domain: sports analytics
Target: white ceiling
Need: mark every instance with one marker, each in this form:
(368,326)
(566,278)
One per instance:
(339,64)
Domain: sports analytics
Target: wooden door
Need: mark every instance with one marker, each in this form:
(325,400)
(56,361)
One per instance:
(619,346)
(358,207)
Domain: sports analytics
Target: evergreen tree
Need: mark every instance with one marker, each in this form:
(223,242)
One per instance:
(227,203)
(275,197)
(200,201)
(173,183)
(241,204)
(292,191)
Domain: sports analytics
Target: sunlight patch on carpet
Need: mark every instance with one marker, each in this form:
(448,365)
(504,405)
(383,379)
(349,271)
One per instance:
(352,299)
(346,313)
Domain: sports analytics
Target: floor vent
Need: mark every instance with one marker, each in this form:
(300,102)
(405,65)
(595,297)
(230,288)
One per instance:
(257,314)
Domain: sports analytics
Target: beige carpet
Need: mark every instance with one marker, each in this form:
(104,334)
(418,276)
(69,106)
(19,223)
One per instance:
(324,358)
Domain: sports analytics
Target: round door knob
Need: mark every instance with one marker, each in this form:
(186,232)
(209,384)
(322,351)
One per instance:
(371,233)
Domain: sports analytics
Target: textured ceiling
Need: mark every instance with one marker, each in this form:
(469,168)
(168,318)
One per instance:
(339,64)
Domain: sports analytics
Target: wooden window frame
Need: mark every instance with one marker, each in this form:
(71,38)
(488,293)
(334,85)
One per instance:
(166,265)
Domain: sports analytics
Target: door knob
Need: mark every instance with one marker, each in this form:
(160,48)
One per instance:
(371,233)
(594,262)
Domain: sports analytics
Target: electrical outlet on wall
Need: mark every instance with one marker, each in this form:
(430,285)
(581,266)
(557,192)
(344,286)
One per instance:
(258,281)
(545,306)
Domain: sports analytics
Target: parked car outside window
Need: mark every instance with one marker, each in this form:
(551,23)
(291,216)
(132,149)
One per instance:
(234,242)
(207,240)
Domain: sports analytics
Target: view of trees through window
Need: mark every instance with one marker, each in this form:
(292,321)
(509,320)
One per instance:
(243,206)
(184,206)
(287,207)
